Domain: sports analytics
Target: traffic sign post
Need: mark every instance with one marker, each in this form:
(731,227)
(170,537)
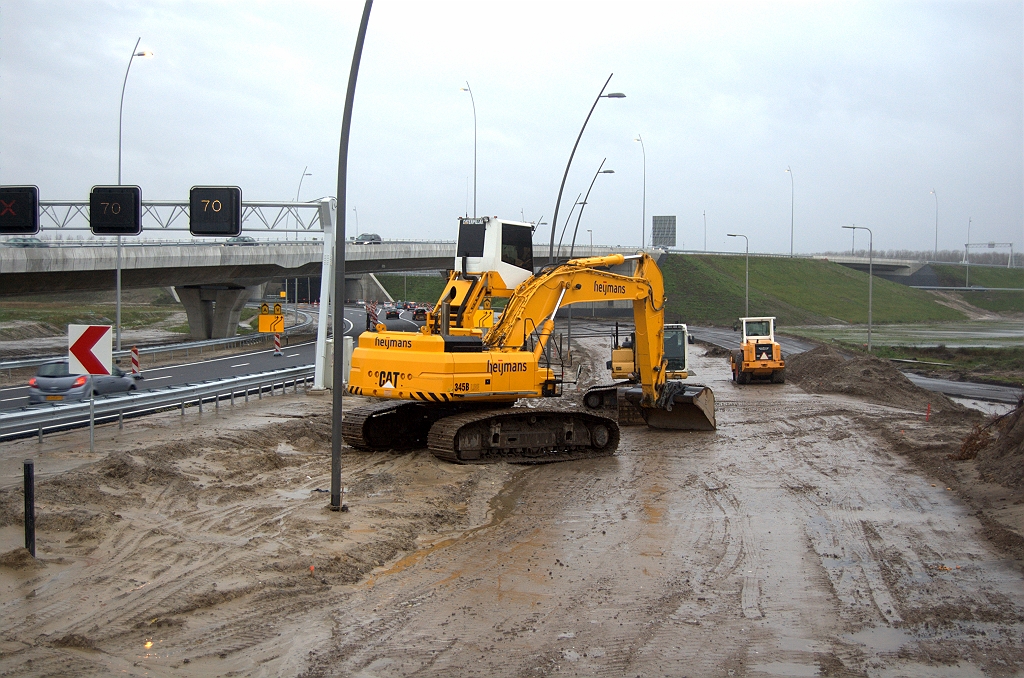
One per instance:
(19,210)
(89,352)
(215,211)
(115,210)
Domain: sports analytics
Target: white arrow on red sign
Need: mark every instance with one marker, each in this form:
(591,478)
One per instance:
(89,349)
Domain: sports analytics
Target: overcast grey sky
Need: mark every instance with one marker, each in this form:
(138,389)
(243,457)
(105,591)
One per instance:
(872,105)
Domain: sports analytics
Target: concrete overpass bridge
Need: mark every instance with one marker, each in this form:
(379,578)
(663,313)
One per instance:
(214,278)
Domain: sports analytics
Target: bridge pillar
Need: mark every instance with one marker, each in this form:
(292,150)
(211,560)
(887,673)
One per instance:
(365,287)
(213,311)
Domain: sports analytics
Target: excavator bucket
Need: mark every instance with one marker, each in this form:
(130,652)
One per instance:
(688,407)
(691,407)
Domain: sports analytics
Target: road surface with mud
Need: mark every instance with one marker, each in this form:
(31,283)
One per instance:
(805,537)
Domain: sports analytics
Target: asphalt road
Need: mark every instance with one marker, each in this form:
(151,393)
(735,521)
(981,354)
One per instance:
(15,397)
(188,373)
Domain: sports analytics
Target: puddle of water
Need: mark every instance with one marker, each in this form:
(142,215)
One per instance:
(293,494)
(881,638)
(787,669)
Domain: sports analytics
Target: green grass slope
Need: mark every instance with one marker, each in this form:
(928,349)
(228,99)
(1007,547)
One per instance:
(422,289)
(996,301)
(709,290)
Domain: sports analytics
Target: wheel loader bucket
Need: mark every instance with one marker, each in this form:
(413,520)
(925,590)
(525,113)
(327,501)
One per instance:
(692,409)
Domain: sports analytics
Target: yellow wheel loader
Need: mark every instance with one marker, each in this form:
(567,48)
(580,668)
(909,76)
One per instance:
(759,355)
(451,386)
(694,407)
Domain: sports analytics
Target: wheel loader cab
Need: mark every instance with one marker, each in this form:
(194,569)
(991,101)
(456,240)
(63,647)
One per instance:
(758,328)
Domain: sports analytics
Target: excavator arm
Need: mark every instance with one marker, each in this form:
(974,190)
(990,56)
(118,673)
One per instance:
(531,310)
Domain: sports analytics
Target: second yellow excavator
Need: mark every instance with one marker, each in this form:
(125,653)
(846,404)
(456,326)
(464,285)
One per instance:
(451,386)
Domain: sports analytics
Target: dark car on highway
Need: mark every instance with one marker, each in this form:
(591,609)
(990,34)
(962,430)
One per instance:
(392,314)
(419,314)
(54,383)
(26,242)
(367,239)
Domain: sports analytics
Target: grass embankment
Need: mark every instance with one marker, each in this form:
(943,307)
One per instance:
(422,289)
(60,315)
(995,301)
(710,290)
(1004,366)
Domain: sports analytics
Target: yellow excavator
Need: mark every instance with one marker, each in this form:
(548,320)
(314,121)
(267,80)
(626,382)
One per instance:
(451,386)
(694,406)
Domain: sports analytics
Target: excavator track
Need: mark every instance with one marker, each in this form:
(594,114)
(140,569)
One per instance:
(391,425)
(522,436)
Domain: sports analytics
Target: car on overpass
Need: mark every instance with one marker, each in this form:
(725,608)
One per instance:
(26,242)
(367,239)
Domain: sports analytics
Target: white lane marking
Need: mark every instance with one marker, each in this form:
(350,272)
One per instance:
(227,357)
(290,355)
(242,364)
(7,400)
(158,378)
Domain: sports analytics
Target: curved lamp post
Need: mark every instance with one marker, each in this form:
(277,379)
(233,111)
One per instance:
(558,202)
(120,118)
(936,254)
(584,204)
(473,101)
(299,190)
(792,194)
(871,251)
(746,293)
(643,222)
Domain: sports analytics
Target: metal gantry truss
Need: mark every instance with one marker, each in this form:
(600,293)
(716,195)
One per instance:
(170,215)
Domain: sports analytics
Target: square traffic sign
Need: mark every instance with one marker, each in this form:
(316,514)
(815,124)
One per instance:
(115,210)
(215,211)
(89,349)
(19,210)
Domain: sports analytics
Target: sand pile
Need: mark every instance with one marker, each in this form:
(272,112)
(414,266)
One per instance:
(1000,449)
(826,370)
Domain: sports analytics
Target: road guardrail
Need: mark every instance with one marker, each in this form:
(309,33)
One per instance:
(38,420)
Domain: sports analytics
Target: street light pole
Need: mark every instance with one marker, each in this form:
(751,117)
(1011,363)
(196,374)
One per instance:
(591,232)
(936,254)
(643,219)
(871,253)
(561,187)
(967,253)
(338,294)
(583,205)
(705,230)
(304,175)
(467,88)
(792,213)
(746,295)
(120,118)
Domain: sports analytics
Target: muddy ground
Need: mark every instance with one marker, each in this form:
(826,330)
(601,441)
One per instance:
(812,534)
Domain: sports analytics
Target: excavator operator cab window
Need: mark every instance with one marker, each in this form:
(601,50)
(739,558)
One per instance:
(516,246)
(471,239)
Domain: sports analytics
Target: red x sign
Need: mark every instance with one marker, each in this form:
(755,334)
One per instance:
(7,208)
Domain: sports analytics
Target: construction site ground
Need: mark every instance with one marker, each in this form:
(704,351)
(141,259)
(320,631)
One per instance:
(811,534)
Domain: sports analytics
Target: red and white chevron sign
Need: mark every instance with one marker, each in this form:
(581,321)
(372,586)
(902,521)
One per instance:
(89,349)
